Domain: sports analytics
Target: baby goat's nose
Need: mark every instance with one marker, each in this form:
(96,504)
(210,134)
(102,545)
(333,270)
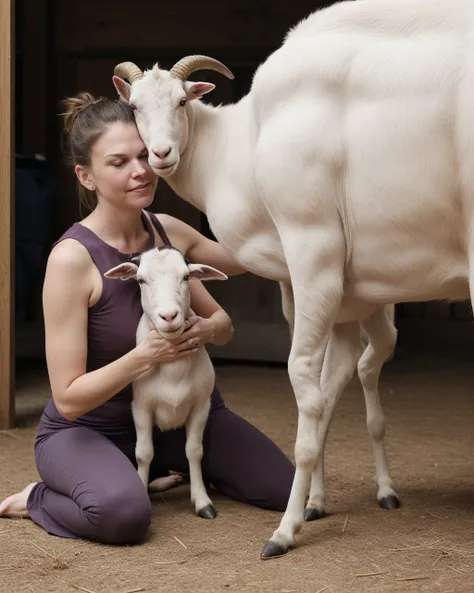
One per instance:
(169,316)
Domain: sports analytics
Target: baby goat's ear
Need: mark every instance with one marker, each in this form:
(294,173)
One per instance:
(122,272)
(122,87)
(202,272)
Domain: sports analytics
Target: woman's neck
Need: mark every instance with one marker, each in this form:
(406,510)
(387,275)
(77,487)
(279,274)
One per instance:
(123,230)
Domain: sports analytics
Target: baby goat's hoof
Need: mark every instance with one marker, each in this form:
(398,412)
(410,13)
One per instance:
(273,550)
(389,502)
(313,514)
(207,512)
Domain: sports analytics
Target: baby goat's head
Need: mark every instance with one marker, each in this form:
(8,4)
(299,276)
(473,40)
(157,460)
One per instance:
(161,102)
(163,275)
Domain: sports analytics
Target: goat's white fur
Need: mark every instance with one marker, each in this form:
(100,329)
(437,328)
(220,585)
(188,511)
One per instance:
(347,172)
(177,393)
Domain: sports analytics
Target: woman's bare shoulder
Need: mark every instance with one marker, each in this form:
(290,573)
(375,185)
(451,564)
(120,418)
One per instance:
(70,257)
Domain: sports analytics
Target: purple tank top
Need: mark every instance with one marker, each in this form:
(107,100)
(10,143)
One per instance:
(112,325)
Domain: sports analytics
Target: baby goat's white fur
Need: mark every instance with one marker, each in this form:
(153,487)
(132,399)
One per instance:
(177,393)
(346,173)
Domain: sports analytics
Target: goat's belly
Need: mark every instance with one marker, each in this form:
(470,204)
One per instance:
(405,278)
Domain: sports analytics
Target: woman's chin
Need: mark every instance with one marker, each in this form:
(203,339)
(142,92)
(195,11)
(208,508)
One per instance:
(138,202)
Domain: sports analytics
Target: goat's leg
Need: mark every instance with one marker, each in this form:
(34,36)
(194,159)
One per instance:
(143,420)
(195,426)
(340,360)
(288,305)
(382,336)
(317,280)
(338,368)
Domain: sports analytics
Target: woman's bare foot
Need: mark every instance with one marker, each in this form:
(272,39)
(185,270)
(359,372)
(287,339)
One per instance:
(165,483)
(15,506)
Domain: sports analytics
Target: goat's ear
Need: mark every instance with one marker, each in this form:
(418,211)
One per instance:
(195,90)
(123,88)
(122,272)
(202,272)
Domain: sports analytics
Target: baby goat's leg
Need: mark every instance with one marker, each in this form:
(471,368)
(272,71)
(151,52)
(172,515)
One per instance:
(143,420)
(194,434)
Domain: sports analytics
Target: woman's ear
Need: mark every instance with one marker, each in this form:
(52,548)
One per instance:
(84,177)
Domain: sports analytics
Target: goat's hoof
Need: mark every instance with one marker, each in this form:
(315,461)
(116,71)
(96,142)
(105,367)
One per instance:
(313,514)
(389,502)
(207,512)
(273,550)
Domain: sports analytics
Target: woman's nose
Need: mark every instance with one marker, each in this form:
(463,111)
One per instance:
(139,170)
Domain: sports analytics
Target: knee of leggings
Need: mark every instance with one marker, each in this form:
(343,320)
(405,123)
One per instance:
(265,495)
(276,499)
(121,517)
(274,494)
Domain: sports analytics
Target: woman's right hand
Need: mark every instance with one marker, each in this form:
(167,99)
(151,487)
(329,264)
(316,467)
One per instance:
(157,349)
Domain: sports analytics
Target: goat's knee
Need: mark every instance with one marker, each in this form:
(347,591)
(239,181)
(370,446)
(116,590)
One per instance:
(144,452)
(194,450)
(376,426)
(307,445)
(309,397)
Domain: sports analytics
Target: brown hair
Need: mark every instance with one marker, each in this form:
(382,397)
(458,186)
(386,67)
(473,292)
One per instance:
(85,120)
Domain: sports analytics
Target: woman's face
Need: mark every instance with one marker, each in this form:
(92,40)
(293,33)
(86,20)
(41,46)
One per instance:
(119,170)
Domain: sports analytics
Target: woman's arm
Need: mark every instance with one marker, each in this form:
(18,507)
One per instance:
(68,287)
(197,248)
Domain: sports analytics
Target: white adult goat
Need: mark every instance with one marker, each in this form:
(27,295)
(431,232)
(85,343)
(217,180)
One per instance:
(174,393)
(346,174)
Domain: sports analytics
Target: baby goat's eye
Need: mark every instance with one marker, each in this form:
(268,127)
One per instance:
(140,281)
(186,278)
(133,106)
(182,103)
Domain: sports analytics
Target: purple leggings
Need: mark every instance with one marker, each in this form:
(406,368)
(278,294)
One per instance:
(91,489)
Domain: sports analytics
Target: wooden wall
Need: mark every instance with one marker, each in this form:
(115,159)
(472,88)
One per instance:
(7,406)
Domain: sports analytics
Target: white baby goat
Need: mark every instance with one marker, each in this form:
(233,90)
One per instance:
(173,393)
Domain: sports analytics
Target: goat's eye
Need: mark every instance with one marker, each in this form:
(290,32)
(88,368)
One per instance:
(182,103)
(133,106)
(186,278)
(140,281)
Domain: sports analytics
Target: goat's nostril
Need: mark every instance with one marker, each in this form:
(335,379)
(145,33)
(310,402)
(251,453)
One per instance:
(169,317)
(162,153)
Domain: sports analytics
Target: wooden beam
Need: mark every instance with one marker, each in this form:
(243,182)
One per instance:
(7,376)
(33,16)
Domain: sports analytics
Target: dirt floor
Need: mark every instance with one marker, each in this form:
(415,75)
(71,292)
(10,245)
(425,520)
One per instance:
(427,545)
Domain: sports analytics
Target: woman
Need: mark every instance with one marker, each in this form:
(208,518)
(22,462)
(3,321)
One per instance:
(85,443)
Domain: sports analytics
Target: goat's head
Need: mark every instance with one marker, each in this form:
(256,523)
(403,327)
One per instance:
(161,100)
(163,275)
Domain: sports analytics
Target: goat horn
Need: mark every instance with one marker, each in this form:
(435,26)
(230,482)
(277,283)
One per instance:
(189,64)
(129,71)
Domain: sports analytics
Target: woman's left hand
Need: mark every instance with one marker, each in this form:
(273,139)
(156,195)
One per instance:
(199,331)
